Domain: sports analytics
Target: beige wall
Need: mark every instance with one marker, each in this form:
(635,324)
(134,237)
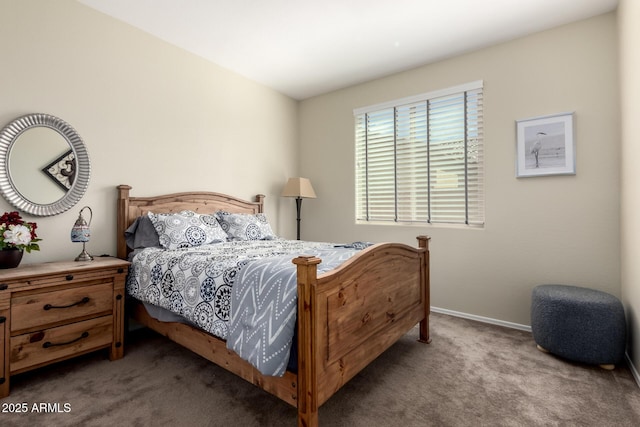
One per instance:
(630,93)
(561,229)
(152,116)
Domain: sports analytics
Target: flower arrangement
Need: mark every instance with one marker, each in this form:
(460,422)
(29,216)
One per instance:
(15,233)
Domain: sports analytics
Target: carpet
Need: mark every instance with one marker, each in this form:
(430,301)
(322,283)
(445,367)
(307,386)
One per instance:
(472,374)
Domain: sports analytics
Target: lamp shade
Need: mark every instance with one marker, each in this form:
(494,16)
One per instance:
(80,231)
(299,187)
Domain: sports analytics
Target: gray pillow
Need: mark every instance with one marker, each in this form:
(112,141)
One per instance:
(186,229)
(240,226)
(141,234)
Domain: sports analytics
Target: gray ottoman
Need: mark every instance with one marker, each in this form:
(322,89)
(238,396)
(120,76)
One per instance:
(579,324)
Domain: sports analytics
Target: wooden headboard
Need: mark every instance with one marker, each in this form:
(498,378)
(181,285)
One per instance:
(129,208)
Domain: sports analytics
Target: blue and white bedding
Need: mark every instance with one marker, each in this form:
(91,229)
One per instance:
(241,291)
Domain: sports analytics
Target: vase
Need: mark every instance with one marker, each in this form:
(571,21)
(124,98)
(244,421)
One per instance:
(10,258)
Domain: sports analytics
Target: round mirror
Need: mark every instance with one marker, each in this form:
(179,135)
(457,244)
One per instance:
(44,165)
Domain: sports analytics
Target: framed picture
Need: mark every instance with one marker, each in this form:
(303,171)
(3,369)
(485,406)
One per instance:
(545,146)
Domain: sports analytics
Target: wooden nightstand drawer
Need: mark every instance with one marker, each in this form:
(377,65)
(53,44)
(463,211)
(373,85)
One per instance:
(41,309)
(42,347)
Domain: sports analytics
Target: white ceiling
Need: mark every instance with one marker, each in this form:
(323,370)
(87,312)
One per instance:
(304,48)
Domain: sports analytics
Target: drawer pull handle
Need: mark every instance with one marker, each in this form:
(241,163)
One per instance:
(3,286)
(82,301)
(69,277)
(51,344)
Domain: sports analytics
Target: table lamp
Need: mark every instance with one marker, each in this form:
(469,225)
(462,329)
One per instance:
(81,233)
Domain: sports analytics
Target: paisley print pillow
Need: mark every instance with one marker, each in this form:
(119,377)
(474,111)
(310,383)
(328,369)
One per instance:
(246,226)
(186,229)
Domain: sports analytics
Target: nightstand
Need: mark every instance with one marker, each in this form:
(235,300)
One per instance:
(57,310)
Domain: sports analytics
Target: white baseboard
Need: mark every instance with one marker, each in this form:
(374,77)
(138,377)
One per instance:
(482,319)
(632,368)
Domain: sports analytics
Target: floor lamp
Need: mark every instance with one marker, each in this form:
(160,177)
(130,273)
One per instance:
(300,188)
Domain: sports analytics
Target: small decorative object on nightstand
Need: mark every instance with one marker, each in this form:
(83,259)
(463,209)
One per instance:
(16,236)
(57,310)
(10,258)
(80,233)
(300,188)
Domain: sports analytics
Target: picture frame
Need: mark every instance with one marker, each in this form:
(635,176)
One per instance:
(545,146)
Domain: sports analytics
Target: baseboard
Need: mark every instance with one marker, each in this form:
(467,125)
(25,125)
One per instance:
(482,319)
(632,368)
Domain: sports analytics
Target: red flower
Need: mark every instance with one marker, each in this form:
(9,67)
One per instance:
(32,226)
(11,218)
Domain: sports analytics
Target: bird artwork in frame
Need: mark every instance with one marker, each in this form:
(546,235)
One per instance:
(545,146)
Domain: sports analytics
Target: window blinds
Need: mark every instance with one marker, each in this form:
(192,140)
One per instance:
(420,159)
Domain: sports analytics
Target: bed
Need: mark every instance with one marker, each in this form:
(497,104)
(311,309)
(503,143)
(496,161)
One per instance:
(346,317)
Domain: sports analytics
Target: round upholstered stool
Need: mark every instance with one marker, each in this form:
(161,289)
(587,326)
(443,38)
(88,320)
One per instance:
(579,324)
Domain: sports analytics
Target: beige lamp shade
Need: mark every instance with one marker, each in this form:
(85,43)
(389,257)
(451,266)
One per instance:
(299,187)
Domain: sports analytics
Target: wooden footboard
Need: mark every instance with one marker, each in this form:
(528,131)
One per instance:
(349,316)
(346,317)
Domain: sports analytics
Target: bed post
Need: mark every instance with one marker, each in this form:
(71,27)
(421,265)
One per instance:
(307,269)
(423,242)
(123,216)
(260,200)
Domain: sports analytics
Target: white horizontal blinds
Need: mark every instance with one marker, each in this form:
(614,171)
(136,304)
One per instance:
(361,167)
(412,177)
(447,168)
(475,158)
(380,166)
(421,159)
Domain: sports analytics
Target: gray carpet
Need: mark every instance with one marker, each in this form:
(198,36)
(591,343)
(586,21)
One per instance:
(472,374)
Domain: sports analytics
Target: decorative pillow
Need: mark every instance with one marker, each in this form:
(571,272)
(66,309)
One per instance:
(186,229)
(141,234)
(246,226)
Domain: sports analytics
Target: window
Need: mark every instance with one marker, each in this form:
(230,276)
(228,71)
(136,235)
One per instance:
(420,159)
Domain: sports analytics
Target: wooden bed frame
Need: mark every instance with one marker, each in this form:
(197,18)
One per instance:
(346,317)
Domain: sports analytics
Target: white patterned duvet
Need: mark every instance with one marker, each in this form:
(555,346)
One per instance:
(197,283)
